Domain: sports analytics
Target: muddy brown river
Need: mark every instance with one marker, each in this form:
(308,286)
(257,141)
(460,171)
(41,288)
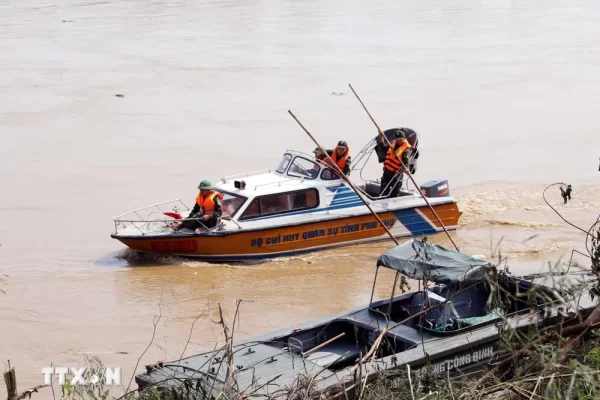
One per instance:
(504,94)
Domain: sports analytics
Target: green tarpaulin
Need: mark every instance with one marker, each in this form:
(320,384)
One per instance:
(420,259)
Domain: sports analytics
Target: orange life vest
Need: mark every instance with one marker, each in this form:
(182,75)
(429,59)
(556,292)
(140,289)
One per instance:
(340,160)
(208,203)
(393,163)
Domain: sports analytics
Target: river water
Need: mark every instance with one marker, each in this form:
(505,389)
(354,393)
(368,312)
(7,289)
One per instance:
(504,94)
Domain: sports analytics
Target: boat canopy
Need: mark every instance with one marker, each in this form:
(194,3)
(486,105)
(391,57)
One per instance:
(419,259)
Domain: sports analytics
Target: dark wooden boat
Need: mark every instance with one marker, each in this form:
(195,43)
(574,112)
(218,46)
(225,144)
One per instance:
(452,326)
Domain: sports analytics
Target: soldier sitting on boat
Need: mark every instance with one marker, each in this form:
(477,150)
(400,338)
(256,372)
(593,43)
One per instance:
(321,156)
(391,180)
(340,156)
(206,212)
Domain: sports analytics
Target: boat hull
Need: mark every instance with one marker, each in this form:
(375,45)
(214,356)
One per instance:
(278,241)
(344,337)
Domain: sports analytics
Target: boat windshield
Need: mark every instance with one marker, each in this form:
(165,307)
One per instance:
(232,203)
(284,163)
(304,168)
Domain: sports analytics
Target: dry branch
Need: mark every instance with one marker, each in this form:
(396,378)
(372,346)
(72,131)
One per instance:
(228,349)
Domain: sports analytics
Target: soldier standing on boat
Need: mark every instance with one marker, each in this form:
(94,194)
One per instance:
(391,165)
(207,210)
(340,156)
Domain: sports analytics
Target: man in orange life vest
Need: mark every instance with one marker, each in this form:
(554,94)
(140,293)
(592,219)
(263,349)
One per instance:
(392,165)
(207,210)
(340,156)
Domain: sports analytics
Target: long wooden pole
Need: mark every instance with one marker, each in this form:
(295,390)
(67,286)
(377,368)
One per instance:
(345,178)
(323,344)
(387,142)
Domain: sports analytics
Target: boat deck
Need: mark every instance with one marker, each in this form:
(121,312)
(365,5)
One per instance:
(249,357)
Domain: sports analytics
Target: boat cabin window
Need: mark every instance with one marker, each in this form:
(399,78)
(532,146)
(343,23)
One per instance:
(232,203)
(281,203)
(304,168)
(283,164)
(329,175)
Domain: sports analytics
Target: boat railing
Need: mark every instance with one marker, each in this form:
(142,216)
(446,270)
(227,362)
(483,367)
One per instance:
(142,218)
(155,205)
(404,190)
(300,153)
(274,184)
(143,221)
(246,174)
(298,347)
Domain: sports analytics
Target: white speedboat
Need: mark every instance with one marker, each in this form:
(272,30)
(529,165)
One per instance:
(300,206)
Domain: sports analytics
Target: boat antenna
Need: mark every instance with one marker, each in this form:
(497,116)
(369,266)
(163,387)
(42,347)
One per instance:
(345,178)
(387,142)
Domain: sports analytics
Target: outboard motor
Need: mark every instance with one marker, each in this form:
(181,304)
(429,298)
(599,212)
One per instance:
(435,188)
(411,136)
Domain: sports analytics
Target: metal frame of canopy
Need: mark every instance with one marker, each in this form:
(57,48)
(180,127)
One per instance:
(456,266)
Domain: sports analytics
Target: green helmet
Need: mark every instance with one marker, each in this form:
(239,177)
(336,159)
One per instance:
(205,185)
